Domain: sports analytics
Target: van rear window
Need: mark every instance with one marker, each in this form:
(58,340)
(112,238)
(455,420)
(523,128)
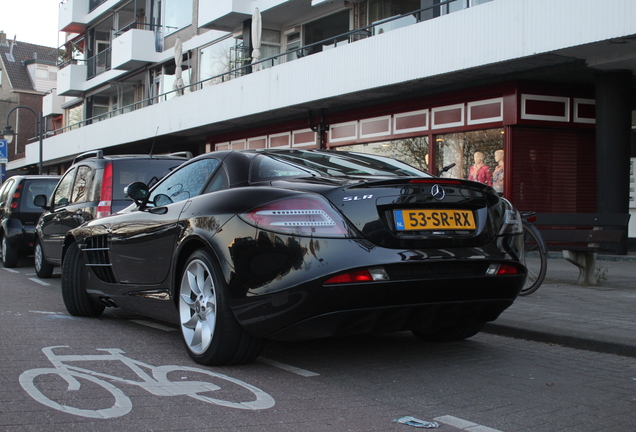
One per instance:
(149,171)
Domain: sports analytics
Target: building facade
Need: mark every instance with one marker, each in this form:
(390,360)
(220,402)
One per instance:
(27,73)
(542,90)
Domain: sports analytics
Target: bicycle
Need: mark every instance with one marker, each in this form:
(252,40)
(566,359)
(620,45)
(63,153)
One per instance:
(535,254)
(157,383)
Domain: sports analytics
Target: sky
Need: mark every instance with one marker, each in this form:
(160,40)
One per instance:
(32,21)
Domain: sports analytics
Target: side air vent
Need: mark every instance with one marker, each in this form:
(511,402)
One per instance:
(98,259)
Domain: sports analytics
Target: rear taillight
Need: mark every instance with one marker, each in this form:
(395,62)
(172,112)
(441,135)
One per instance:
(307,216)
(15,203)
(502,269)
(104,207)
(372,274)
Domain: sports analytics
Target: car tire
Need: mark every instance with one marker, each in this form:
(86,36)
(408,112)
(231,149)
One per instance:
(458,331)
(211,333)
(9,254)
(76,299)
(43,268)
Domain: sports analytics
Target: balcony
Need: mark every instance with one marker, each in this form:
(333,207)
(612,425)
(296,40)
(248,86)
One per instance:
(73,16)
(71,79)
(52,104)
(223,14)
(133,49)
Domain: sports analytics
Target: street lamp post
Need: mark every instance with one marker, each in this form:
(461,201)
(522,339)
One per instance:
(9,133)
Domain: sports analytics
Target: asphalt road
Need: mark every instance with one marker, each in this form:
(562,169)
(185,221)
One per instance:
(124,372)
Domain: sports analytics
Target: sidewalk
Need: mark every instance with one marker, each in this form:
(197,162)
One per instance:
(597,318)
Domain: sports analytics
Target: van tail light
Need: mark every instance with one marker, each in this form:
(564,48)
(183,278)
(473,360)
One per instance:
(104,207)
(306,216)
(15,199)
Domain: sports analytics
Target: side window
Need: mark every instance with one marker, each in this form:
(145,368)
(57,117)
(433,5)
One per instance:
(81,184)
(4,191)
(62,196)
(185,183)
(219,181)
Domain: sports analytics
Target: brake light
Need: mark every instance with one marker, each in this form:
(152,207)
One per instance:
(436,181)
(15,203)
(104,207)
(307,216)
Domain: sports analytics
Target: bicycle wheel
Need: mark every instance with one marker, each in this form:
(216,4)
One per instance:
(534,258)
(192,388)
(122,405)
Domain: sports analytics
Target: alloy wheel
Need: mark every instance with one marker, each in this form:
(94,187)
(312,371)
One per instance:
(197,306)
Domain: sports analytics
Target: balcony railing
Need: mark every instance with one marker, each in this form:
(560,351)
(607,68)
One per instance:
(101,62)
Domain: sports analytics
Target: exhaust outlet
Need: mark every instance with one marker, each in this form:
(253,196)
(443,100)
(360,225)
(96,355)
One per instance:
(108,302)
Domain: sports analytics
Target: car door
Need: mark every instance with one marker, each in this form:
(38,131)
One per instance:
(68,210)
(142,242)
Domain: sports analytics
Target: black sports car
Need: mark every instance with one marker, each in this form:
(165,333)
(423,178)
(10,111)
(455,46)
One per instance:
(237,247)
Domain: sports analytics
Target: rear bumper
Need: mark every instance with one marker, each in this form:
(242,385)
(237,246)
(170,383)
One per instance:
(20,236)
(421,317)
(313,310)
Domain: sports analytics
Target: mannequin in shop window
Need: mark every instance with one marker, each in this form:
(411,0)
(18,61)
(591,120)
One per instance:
(498,172)
(480,172)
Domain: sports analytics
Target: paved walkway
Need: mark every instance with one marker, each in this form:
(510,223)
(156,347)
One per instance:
(598,318)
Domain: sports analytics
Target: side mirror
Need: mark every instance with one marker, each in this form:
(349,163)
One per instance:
(138,192)
(41,201)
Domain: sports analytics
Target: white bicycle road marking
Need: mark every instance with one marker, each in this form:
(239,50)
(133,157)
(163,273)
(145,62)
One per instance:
(157,383)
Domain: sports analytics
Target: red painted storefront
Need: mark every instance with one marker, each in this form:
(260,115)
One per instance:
(547,134)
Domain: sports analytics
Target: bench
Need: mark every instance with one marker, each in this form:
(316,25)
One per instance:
(582,235)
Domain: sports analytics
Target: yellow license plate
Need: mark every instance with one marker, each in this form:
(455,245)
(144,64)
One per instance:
(406,220)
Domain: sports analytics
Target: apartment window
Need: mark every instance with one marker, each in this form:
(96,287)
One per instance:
(382,9)
(74,116)
(324,29)
(101,106)
(292,43)
(216,59)
(270,46)
(178,14)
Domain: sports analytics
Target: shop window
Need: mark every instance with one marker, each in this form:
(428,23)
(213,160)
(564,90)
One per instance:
(412,151)
(476,155)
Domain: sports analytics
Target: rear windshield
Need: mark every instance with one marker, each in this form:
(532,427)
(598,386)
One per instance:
(148,171)
(305,164)
(33,188)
